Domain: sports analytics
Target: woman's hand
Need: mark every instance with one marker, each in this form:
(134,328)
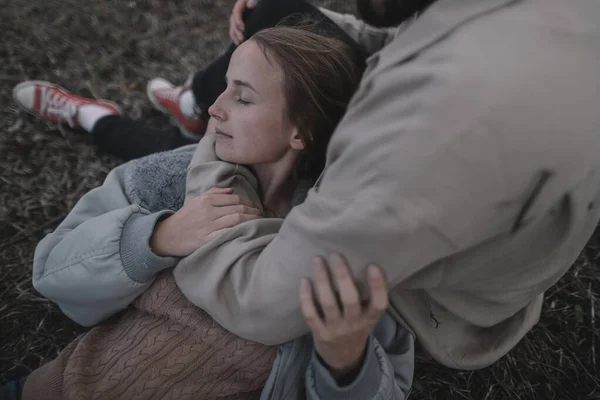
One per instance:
(236,20)
(340,324)
(200,221)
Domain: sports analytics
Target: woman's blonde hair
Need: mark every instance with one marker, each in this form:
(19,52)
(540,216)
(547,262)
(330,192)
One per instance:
(320,77)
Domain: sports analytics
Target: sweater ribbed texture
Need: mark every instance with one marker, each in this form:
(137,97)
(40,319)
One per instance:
(138,353)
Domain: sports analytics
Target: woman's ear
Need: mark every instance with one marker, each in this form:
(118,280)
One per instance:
(296,141)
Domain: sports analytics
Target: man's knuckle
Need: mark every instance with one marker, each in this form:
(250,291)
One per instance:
(352,302)
(330,307)
(310,317)
(324,336)
(304,302)
(384,303)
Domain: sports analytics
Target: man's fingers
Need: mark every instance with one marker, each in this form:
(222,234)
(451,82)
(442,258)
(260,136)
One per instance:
(238,13)
(345,284)
(327,299)
(236,22)
(231,220)
(236,36)
(240,36)
(309,309)
(232,35)
(378,292)
(238,8)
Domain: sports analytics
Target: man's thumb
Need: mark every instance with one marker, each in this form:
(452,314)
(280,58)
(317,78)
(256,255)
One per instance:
(251,3)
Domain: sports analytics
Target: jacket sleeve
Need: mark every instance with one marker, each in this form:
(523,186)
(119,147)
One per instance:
(99,259)
(370,38)
(401,171)
(386,373)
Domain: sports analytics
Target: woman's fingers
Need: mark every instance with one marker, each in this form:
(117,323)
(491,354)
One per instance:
(379,294)
(228,199)
(231,220)
(219,232)
(219,212)
(217,190)
(345,283)
(309,309)
(327,299)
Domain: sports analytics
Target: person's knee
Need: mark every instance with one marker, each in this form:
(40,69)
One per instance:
(269,13)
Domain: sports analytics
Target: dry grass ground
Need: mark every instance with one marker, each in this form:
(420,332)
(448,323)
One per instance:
(109,49)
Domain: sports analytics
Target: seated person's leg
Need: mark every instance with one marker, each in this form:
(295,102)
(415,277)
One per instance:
(111,132)
(131,139)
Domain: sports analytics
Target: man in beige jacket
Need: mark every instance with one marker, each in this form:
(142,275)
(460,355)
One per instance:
(467,166)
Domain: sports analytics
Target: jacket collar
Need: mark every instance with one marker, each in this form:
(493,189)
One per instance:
(439,20)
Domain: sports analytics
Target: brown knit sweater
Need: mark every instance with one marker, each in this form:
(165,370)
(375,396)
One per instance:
(161,347)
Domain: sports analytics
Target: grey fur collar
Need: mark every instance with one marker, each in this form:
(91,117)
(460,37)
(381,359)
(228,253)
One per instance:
(157,182)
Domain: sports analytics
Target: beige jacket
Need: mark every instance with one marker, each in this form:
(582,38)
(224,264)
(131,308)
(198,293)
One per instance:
(467,166)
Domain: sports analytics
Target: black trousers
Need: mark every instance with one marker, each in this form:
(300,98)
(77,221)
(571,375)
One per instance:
(131,139)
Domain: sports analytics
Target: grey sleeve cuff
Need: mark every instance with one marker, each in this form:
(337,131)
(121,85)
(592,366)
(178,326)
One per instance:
(364,387)
(139,262)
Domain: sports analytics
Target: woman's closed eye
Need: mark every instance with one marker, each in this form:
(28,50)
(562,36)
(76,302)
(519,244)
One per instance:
(241,101)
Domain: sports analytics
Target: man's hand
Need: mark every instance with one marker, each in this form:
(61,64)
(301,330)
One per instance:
(200,221)
(340,324)
(236,20)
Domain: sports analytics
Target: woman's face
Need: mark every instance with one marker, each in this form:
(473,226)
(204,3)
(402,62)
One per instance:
(249,122)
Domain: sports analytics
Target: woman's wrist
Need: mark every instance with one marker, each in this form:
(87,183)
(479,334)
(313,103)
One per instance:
(156,243)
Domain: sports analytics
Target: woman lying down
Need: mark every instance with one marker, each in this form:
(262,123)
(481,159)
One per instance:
(109,262)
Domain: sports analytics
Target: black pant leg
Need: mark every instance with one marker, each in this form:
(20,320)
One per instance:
(131,139)
(210,83)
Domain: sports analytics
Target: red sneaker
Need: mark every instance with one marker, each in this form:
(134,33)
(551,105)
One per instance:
(53,103)
(165,98)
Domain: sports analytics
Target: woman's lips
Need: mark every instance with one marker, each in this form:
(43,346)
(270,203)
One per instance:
(221,133)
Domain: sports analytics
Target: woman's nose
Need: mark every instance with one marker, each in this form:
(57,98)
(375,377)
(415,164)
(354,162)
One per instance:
(216,111)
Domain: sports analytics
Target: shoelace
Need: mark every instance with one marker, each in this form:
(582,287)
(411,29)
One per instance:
(55,103)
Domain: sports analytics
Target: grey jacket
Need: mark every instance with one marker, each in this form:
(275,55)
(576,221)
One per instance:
(98,261)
